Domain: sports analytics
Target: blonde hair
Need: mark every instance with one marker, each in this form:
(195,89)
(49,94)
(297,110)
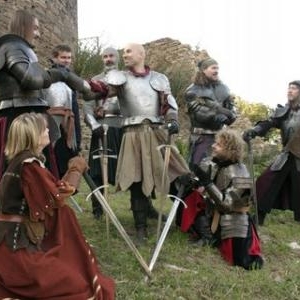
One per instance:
(22,23)
(24,134)
(233,144)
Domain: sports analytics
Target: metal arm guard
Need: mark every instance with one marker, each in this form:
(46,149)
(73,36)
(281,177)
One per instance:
(89,118)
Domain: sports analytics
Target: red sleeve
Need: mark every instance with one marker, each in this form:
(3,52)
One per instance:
(41,190)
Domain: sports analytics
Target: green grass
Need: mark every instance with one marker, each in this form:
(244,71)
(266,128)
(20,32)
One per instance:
(187,272)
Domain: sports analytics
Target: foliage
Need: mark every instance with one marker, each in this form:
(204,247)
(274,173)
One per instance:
(187,272)
(88,60)
(183,148)
(253,111)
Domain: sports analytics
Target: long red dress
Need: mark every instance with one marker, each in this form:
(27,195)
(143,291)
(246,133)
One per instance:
(65,268)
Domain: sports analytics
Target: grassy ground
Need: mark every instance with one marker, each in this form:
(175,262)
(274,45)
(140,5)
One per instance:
(187,272)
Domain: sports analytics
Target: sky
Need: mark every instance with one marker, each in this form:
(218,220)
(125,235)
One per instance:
(256,42)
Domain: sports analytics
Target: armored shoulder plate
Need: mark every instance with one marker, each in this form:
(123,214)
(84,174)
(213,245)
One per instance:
(280,111)
(3,47)
(237,170)
(58,95)
(115,77)
(14,49)
(160,82)
(221,92)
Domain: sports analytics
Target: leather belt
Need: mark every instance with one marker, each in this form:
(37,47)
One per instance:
(12,218)
(144,127)
(197,130)
(106,115)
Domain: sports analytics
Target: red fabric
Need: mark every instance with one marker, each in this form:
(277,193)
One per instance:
(195,204)
(226,250)
(67,268)
(53,162)
(140,74)
(98,86)
(255,245)
(227,247)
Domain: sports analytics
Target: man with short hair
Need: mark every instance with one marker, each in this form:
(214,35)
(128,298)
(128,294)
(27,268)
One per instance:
(210,108)
(64,110)
(279,186)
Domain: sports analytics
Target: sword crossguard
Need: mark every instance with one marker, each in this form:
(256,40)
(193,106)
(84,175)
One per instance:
(177,198)
(102,155)
(102,150)
(94,191)
(162,146)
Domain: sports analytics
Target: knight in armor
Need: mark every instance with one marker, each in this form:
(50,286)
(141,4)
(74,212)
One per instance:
(97,113)
(64,111)
(210,108)
(228,186)
(278,186)
(22,78)
(150,115)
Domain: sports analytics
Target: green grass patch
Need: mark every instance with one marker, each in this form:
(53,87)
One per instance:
(187,272)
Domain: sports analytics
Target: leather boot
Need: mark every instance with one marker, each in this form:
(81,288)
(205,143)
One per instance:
(202,228)
(261,217)
(297,216)
(97,208)
(140,222)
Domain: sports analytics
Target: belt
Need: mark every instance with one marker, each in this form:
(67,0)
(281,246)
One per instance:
(110,115)
(243,209)
(144,127)
(197,130)
(12,218)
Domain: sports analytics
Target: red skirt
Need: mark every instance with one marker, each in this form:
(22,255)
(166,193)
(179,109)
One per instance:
(243,252)
(67,269)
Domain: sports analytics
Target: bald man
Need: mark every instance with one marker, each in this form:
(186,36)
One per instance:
(150,115)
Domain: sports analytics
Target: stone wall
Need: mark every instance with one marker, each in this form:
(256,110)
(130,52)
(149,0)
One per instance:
(57,18)
(173,52)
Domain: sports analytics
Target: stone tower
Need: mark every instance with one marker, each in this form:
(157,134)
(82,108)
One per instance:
(57,18)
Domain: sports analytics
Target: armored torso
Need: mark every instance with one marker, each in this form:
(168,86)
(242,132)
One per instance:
(290,125)
(204,103)
(138,98)
(14,50)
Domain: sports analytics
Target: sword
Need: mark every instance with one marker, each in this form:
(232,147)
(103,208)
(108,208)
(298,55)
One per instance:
(164,177)
(104,173)
(166,228)
(104,166)
(253,190)
(75,204)
(96,191)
